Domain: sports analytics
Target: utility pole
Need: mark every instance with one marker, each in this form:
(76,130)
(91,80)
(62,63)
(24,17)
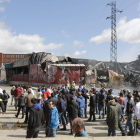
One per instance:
(113,49)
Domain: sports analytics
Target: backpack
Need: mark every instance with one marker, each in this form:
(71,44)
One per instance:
(5,96)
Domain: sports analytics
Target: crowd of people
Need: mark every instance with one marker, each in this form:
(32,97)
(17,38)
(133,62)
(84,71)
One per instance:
(55,107)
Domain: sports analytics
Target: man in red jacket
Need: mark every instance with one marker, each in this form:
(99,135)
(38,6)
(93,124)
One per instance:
(16,94)
(46,92)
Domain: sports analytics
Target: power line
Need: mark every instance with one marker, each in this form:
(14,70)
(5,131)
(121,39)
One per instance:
(130,5)
(122,3)
(99,17)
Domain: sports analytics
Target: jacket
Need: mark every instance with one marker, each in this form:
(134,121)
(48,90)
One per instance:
(81,134)
(101,98)
(119,110)
(5,97)
(81,104)
(72,109)
(86,97)
(53,118)
(28,98)
(21,101)
(61,106)
(92,103)
(130,105)
(16,92)
(112,115)
(36,116)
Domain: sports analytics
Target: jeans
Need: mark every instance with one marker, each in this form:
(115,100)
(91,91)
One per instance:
(50,132)
(16,102)
(71,121)
(85,111)
(80,115)
(104,108)
(130,123)
(126,125)
(5,105)
(96,108)
(92,113)
(12,99)
(120,126)
(101,107)
(27,111)
(19,108)
(33,133)
(61,116)
(122,107)
(112,132)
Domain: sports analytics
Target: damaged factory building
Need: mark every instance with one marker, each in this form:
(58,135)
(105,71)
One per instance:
(46,69)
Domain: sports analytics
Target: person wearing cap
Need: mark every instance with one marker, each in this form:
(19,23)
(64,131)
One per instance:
(130,114)
(112,116)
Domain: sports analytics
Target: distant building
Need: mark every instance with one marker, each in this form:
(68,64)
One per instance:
(10,58)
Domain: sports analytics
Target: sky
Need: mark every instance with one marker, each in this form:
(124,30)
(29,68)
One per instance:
(75,28)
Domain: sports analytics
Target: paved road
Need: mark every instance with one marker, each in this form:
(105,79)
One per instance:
(10,129)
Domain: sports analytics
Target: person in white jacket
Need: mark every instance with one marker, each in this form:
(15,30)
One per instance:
(137,115)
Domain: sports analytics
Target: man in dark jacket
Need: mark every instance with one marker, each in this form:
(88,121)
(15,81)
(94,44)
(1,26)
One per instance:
(112,116)
(81,104)
(84,94)
(55,100)
(72,110)
(61,109)
(36,118)
(1,103)
(92,105)
(130,114)
(101,104)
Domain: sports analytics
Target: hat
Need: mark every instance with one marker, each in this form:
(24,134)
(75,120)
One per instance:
(110,97)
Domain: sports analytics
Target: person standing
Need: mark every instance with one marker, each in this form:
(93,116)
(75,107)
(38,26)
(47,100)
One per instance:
(46,92)
(53,120)
(119,118)
(92,106)
(73,111)
(36,117)
(28,103)
(21,105)
(130,114)
(38,95)
(101,102)
(121,102)
(61,110)
(1,103)
(81,104)
(5,99)
(16,95)
(112,116)
(12,95)
(137,116)
(84,94)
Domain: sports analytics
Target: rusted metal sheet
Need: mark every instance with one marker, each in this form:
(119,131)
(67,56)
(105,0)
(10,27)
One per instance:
(19,77)
(13,78)
(33,73)
(25,78)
